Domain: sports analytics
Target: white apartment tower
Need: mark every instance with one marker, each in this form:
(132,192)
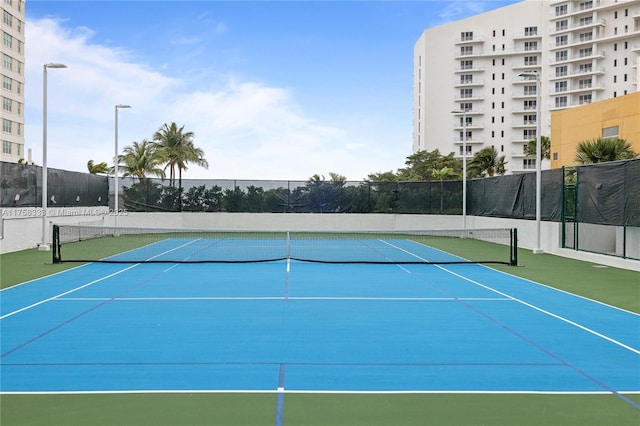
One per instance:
(486,65)
(12,71)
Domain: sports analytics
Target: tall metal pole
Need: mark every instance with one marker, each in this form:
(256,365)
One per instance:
(44,245)
(115,167)
(464,165)
(538,249)
(464,169)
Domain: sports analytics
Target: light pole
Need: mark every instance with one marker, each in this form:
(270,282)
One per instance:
(115,168)
(464,165)
(537,249)
(43,245)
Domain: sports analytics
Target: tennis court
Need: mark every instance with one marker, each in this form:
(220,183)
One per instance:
(289,326)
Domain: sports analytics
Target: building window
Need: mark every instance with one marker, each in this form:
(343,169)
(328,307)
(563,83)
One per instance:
(563,55)
(586,52)
(530,119)
(7,61)
(586,21)
(561,71)
(610,132)
(6,125)
(8,40)
(555,156)
(466,78)
(585,84)
(584,99)
(469,150)
(7,18)
(529,105)
(466,50)
(530,90)
(6,83)
(562,10)
(466,106)
(530,31)
(562,40)
(585,68)
(466,35)
(586,5)
(466,93)
(6,147)
(469,136)
(562,25)
(561,86)
(528,163)
(466,65)
(530,60)
(6,104)
(561,101)
(529,134)
(586,36)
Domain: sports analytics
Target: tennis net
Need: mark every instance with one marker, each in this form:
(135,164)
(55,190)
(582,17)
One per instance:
(81,243)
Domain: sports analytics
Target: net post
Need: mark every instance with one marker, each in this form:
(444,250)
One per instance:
(56,245)
(514,247)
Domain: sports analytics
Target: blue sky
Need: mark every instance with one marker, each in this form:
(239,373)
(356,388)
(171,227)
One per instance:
(272,90)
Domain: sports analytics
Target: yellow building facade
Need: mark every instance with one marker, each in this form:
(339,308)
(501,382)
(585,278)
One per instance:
(615,117)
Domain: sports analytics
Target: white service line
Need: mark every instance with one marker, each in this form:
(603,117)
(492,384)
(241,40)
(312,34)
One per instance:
(68,292)
(551,314)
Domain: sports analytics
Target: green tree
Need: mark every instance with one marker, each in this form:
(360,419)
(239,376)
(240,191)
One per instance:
(177,150)
(545,147)
(600,150)
(141,159)
(486,162)
(100,168)
(382,177)
(420,165)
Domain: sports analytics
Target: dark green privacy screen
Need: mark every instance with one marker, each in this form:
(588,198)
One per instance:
(605,193)
(21,187)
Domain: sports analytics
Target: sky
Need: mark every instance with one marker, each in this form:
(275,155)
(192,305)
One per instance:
(272,90)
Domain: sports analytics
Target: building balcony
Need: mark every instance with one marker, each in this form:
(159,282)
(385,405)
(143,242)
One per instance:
(526,67)
(527,124)
(477,82)
(523,96)
(466,40)
(470,126)
(469,99)
(475,68)
(526,36)
(472,141)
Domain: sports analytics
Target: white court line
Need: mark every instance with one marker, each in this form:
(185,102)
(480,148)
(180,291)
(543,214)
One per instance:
(312,298)
(67,292)
(90,283)
(346,392)
(551,314)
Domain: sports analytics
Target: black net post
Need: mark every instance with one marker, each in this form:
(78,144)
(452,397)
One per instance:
(56,245)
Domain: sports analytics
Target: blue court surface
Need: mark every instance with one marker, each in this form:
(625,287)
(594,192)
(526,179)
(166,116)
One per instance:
(296,326)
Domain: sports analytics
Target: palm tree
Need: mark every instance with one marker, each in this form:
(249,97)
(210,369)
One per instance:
(600,150)
(177,150)
(545,147)
(140,159)
(486,163)
(100,168)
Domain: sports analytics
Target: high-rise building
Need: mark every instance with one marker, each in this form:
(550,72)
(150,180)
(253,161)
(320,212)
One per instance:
(485,67)
(12,71)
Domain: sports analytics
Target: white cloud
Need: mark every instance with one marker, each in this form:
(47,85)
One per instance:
(247,129)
